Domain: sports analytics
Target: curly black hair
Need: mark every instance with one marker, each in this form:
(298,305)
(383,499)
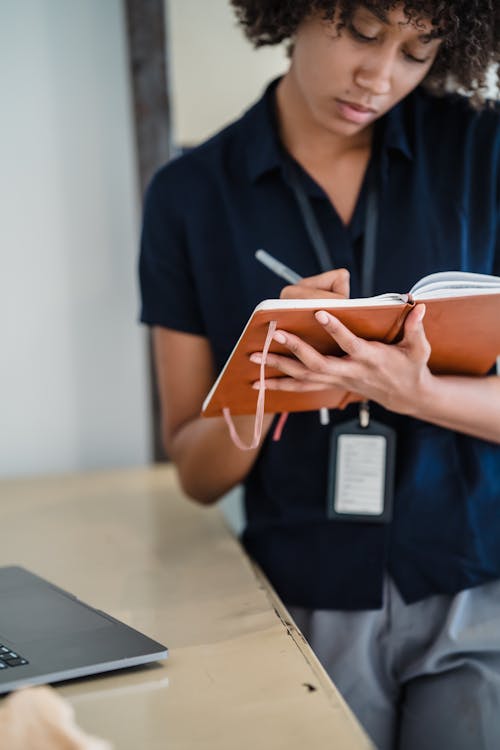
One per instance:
(470,30)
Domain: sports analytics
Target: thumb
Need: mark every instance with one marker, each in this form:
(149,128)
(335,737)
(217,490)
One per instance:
(414,337)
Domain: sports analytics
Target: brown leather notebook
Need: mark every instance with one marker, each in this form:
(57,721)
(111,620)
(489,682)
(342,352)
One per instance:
(462,323)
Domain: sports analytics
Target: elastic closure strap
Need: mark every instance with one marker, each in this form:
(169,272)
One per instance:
(259,412)
(279,426)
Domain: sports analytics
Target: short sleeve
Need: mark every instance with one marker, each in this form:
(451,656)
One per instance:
(167,285)
(496,161)
(496,260)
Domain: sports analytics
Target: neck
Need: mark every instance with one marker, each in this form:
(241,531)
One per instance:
(308,141)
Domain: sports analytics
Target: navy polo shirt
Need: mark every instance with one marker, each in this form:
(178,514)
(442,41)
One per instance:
(207,212)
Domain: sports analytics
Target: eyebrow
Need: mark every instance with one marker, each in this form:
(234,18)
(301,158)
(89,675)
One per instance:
(382,16)
(378,13)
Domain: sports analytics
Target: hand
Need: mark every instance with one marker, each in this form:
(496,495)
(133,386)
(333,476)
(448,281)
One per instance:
(393,375)
(37,717)
(329,284)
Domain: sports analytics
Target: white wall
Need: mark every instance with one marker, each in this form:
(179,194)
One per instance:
(73,373)
(73,384)
(215,72)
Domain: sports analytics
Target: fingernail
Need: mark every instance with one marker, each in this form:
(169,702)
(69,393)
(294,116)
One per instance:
(280,337)
(422,313)
(322,317)
(256,385)
(257,358)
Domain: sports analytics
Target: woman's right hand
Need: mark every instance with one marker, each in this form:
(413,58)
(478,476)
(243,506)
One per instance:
(322,286)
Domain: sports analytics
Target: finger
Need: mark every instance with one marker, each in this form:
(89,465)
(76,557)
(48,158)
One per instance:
(414,319)
(330,366)
(414,339)
(318,370)
(291,384)
(336,280)
(298,291)
(333,283)
(288,365)
(352,345)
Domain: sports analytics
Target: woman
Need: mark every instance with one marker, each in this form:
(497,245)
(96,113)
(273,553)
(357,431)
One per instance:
(404,614)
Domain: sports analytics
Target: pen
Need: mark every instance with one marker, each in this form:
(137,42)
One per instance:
(277,267)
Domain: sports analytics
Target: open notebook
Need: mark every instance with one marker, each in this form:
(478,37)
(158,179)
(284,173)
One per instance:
(462,324)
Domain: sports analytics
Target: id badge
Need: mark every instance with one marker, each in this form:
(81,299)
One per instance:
(361,472)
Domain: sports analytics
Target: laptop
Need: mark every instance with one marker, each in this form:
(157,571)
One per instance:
(48,635)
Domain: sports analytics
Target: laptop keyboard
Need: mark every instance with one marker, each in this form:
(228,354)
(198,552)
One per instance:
(10,658)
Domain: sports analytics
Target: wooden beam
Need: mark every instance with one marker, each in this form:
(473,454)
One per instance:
(148,57)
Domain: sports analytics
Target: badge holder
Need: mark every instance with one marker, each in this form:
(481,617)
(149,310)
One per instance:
(361,470)
(362,452)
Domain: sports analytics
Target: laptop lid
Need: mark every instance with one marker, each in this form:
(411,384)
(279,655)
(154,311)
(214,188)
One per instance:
(48,635)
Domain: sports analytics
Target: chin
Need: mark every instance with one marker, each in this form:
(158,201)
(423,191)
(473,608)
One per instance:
(343,128)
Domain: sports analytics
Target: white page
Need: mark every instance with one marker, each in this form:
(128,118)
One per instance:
(454,283)
(391,298)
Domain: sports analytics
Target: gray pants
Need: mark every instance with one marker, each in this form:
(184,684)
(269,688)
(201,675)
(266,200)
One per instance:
(424,676)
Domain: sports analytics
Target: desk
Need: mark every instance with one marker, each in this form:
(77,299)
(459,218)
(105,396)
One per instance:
(239,674)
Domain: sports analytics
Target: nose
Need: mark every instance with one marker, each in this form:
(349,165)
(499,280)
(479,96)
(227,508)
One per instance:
(375,73)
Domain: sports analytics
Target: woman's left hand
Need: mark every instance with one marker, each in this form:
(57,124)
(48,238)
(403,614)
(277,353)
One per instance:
(393,375)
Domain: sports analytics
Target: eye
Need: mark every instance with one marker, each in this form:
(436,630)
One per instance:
(418,60)
(359,36)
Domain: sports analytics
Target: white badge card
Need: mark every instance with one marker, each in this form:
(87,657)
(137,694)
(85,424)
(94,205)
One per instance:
(361,472)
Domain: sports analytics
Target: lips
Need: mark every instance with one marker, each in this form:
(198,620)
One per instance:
(357,107)
(354,113)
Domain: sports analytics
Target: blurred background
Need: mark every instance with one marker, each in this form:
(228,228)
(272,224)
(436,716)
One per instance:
(80,137)
(95,96)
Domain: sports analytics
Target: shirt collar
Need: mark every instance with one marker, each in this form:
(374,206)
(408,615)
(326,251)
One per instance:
(392,136)
(264,151)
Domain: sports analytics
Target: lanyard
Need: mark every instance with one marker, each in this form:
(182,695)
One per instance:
(321,251)
(316,235)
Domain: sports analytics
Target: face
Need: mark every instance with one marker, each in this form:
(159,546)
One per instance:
(346,80)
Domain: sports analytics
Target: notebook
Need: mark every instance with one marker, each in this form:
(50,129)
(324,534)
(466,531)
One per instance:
(462,323)
(48,635)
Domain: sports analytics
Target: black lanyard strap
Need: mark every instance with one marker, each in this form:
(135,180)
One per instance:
(370,241)
(310,221)
(317,239)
